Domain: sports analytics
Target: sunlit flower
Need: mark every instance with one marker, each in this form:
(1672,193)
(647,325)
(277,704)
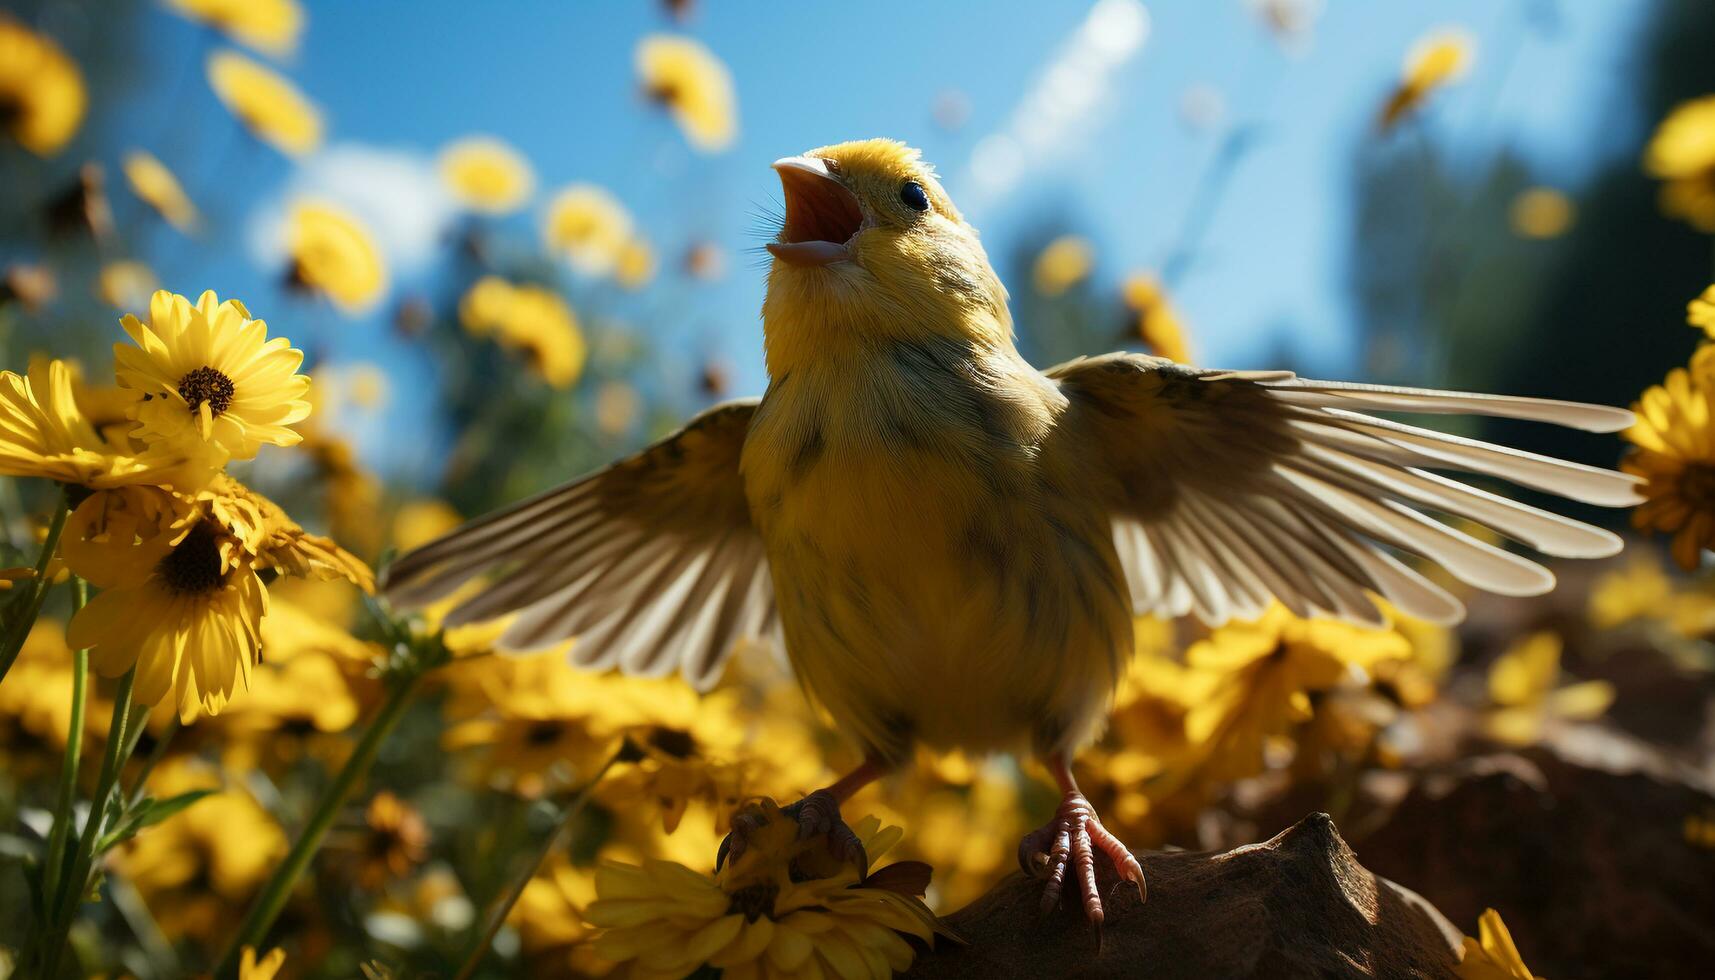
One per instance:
(1158,323)
(394,840)
(589,227)
(266,103)
(1524,687)
(1700,312)
(530,319)
(1540,212)
(156,186)
(198,870)
(42,98)
(1675,455)
(334,254)
(1682,153)
(1492,955)
(35,701)
(212,381)
(1642,591)
(418,522)
(635,265)
(487,175)
(549,918)
(273,541)
(779,910)
(539,723)
(689,749)
(686,79)
(271,26)
(127,284)
(1433,62)
(1063,263)
(251,968)
(44,433)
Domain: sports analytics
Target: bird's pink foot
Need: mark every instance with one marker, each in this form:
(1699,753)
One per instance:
(818,815)
(1067,846)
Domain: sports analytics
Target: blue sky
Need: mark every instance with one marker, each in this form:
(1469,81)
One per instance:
(555,79)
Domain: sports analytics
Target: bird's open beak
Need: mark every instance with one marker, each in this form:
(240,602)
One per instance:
(821,215)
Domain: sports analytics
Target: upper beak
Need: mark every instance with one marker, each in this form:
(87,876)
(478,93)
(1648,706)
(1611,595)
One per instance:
(821,215)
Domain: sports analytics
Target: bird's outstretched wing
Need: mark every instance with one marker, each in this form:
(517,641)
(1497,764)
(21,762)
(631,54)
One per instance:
(651,563)
(1228,488)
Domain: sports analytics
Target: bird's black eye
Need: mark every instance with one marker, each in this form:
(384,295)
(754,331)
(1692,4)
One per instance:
(913,196)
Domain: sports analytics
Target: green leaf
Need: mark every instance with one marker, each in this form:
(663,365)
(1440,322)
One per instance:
(147,813)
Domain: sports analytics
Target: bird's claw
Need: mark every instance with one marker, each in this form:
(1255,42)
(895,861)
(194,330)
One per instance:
(1069,842)
(818,815)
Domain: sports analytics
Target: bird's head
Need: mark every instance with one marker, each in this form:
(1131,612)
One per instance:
(872,248)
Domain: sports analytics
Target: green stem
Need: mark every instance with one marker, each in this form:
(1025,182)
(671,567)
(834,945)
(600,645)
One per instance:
(273,897)
(77,882)
(503,905)
(53,867)
(29,602)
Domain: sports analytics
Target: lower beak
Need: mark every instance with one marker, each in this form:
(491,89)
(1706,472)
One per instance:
(821,215)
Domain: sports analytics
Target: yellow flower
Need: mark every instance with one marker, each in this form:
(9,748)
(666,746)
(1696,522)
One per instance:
(1540,212)
(42,99)
(250,968)
(1522,686)
(1433,62)
(127,284)
(272,540)
(1682,153)
(270,26)
(1642,590)
(686,79)
(1675,455)
(549,917)
(334,254)
(589,227)
(1492,956)
(266,103)
(1063,263)
(1700,312)
(156,186)
(541,724)
(420,521)
(690,750)
(394,840)
(767,914)
(1158,323)
(213,383)
(635,265)
(487,175)
(530,319)
(35,701)
(44,433)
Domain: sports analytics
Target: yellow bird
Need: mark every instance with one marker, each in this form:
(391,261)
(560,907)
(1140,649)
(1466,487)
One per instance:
(952,544)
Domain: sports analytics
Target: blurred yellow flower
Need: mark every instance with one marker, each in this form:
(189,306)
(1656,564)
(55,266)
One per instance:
(1674,438)
(589,227)
(1434,61)
(270,26)
(334,254)
(126,284)
(1540,212)
(549,918)
(689,748)
(635,265)
(487,175)
(1642,591)
(1492,955)
(42,98)
(1063,263)
(394,839)
(1523,686)
(211,381)
(540,723)
(686,79)
(1682,153)
(1158,323)
(418,522)
(156,186)
(266,103)
(251,968)
(44,433)
(1700,312)
(531,319)
(35,701)
(763,916)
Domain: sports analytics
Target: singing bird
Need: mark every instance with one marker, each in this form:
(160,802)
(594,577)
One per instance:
(952,544)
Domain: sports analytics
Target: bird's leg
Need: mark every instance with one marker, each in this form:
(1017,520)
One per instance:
(1068,844)
(818,815)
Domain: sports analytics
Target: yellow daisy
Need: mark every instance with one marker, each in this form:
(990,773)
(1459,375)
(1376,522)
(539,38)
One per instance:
(1158,323)
(529,319)
(1524,686)
(45,433)
(126,284)
(276,542)
(1682,153)
(1492,955)
(42,98)
(394,839)
(1675,456)
(1063,263)
(589,227)
(211,380)
(1540,212)
(487,175)
(686,79)
(156,186)
(270,26)
(1435,61)
(333,253)
(266,103)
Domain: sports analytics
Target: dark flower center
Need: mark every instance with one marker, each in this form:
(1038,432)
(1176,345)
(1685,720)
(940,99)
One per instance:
(674,742)
(543,733)
(755,901)
(205,384)
(1697,486)
(194,566)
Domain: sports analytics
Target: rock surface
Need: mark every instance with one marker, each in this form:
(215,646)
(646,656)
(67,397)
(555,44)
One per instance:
(1298,905)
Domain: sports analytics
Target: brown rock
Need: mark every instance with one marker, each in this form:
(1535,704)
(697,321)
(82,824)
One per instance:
(1298,905)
